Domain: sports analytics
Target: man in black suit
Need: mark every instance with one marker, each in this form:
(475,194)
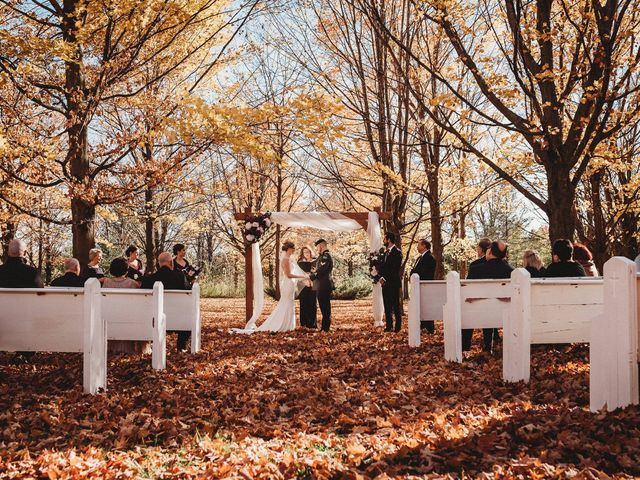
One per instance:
(15,273)
(563,266)
(425,267)
(390,281)
(71,277)
(171,280)
(322,282)
(495,266)
(483,245)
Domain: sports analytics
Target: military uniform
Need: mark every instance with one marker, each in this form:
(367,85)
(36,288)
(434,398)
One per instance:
(323,285)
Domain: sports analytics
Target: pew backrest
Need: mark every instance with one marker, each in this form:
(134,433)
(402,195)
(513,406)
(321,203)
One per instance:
(57,320)
(614,350)
(472,304)
(182,309)
(137,314)
(426,302)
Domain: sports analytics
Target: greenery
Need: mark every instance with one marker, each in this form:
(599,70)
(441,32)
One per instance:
(350,288)
(220,287)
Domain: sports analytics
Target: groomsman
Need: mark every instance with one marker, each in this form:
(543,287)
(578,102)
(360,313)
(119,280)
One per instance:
(390,281)
(425,267)
(323,283)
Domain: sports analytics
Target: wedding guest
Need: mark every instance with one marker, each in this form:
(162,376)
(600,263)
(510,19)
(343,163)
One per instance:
(307,295)
(584,257)
(15,273)
(71,277)
(135,270)
(93,268)
(181,264)
(532,262)
(390,281)
(118,279)
(562,265)
(171,280)
(425,266)
(481,249)
(495,266)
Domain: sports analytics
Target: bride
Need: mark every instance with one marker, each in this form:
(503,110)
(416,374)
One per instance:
(283,317)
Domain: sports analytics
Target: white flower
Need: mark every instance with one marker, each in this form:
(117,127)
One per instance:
(255,224)
(267,222)
(250,238)
(247,225)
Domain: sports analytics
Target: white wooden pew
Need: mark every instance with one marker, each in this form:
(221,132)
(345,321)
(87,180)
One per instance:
(544,311)
(472,304)
(58,320)
(182,308)
(137,314)
(426,302)
(614,348)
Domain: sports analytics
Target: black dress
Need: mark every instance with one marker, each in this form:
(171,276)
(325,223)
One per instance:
(135,273)
(307,299)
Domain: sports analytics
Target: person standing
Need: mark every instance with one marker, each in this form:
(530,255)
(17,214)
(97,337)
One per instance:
(390,282)
(425,267)
(135,270)
(322,282)
(181,264)
(307,296)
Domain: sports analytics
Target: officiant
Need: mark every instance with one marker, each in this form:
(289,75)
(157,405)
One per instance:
(307,295)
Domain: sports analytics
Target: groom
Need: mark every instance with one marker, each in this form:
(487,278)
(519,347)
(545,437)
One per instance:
(323,283)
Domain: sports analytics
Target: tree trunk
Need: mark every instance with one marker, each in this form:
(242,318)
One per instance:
(83,211)
(559,205)
(599,246)
(149,245)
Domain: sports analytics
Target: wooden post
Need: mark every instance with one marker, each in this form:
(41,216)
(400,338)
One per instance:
(248,269)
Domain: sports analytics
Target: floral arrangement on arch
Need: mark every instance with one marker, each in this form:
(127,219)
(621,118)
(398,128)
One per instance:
(376,259)
(255,227)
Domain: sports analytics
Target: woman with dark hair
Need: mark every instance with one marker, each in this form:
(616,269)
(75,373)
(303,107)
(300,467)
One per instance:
(135,270)
(307,295)
(583,256)
(181,264)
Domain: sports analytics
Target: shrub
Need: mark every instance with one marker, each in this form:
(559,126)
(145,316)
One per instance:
(350,288)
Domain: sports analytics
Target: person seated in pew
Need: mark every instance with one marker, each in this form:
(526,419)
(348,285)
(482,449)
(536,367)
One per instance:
(15,273)
(562,265)
(118,270)
(425,266)
(495,267)
(71,277)
(583,256)
(483,245)
(119,279)
(171,280)
(532,262)
(93,268)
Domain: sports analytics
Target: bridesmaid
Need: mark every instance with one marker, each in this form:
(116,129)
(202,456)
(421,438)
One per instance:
(307,295)
(135,270)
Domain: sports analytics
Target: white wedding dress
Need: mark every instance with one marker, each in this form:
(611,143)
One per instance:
(283,317)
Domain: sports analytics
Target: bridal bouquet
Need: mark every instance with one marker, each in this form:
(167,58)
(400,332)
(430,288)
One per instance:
(376,259)
(255,227)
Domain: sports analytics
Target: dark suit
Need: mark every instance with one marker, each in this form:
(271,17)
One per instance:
(15,273)
(489,269)
(171,280)
(390,271)
(565,269)
(425,267)
(477,261)
(323,285)
(69,279)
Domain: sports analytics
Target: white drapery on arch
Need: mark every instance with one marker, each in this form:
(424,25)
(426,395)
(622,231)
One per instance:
(334,222)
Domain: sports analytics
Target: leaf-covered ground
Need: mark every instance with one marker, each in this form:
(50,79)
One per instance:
(354,403)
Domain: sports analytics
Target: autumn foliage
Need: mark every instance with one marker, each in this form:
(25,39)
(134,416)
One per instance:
(354,403)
